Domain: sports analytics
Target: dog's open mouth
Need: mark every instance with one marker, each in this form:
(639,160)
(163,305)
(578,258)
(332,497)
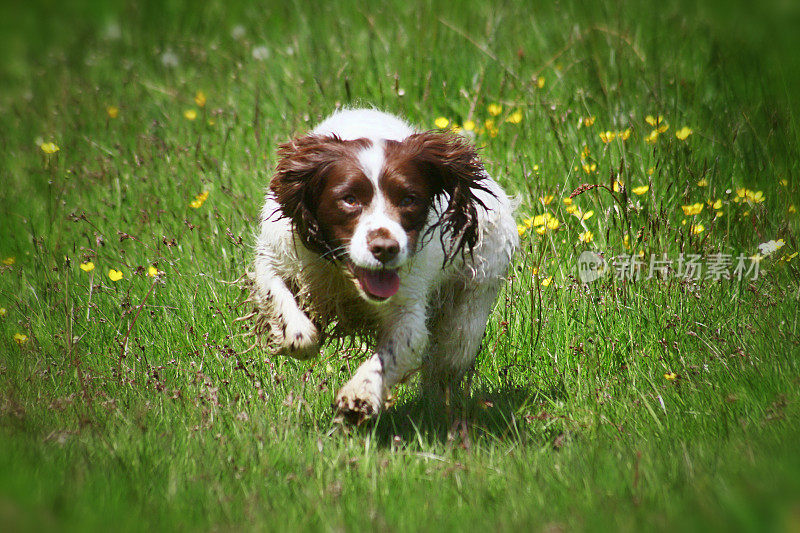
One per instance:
(377,284)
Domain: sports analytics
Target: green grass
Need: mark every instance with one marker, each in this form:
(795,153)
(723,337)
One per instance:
(152,414)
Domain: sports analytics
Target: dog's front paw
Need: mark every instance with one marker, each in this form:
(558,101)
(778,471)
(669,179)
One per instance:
(357,402)
(300,339)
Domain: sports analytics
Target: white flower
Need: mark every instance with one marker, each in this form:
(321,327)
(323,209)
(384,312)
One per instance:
(169,59)
(260,53)
(112,32)
(238,32)
(770,247)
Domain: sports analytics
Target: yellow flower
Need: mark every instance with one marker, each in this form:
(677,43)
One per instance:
(589,167)
(114,275)
(546,199)
(536,168)
(585,152)
(521,229)
(441,123)
(617,185)
(650,171)
(491,129)
(640,190)
(152,271)
(567,201)
(624,134)
(200,99)
(792,209)
(494,109)
(540,82)
(88,266)
(715,204)
(571,209)
(587,215)
(702,183)
(112,111)
(547,281)
(553,223)
(697,229)
(586,237)
(541,229)
(693,209)
(8,261)
(784,182)
(49,148)
(540,220)
(190,114)
(3,311)
(653,121)
(683,133)
(199,200)
(626,241)
(652,137)
(515,117)
(670,376)
(588,121)
(658,123)
(469,125)
(755,197)
(455,128)
(20,338)
(607,136)
(718,214)
(791,256)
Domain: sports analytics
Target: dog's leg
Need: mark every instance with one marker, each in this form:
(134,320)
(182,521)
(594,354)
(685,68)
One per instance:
(396,357)
(456,336)
(294,332)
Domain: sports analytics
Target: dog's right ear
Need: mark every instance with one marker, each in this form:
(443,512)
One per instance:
(298,180)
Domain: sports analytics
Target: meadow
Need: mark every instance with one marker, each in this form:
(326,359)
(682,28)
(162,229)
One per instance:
(137,142)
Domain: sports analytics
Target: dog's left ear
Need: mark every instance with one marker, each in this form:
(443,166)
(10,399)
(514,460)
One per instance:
(456,170)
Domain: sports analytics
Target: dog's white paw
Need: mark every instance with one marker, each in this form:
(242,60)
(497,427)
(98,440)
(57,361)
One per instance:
(358,401)
(300,339)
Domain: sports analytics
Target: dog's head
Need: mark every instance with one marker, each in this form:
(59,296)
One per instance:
(367,204)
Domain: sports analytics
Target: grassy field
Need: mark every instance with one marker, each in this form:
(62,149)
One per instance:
(138,139)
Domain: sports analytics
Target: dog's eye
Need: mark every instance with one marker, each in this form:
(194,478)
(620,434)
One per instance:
(408,201)
(350,200)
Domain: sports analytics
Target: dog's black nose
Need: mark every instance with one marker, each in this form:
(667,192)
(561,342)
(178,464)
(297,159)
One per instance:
(384,249)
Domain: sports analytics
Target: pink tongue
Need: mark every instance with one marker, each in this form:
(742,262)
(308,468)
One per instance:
(380,283)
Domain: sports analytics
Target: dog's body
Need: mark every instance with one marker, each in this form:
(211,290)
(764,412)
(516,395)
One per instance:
(371,228)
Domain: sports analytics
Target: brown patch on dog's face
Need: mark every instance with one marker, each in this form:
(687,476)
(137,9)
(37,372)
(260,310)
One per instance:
(448,165)
(345,194)
(312,174)
(407,189)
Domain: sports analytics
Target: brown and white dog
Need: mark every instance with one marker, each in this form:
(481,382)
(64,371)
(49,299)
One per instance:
(372,228)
